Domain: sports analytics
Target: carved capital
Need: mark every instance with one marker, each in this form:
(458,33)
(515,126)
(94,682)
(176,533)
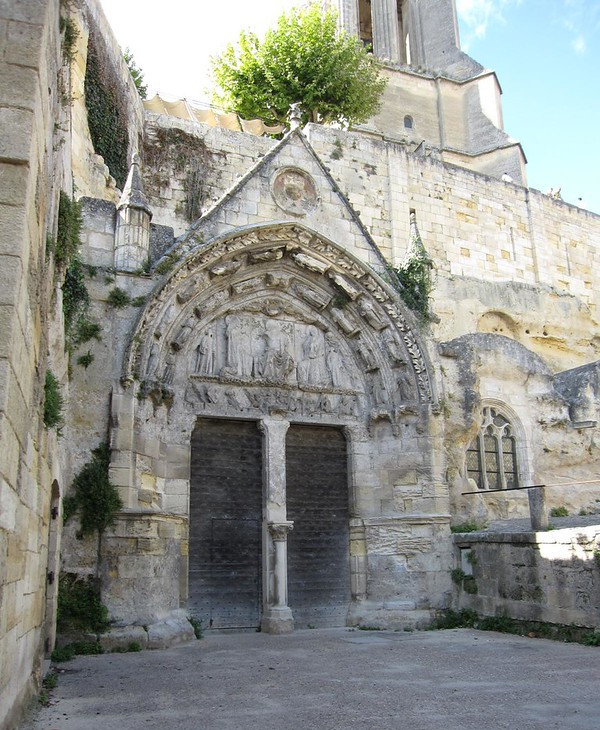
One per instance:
(279,530)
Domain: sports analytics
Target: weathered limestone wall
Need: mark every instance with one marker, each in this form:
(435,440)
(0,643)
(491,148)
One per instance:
(186,161)
(90,173)
(472,225)
(543,576)
(554,445)
(31,171)
(458,122)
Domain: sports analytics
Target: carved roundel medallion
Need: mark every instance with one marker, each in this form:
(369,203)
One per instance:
(294,191)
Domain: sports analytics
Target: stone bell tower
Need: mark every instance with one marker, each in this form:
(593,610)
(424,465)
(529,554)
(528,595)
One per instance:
(418,33)
(439,101)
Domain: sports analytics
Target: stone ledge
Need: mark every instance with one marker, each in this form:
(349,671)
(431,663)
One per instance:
(558,535)
(390,614)
(122,637)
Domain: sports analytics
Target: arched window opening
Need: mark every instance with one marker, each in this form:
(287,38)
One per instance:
(365,23)
(403,34)
(492,455)
(408,122)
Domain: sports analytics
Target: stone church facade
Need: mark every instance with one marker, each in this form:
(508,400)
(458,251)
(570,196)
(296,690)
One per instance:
(291,443)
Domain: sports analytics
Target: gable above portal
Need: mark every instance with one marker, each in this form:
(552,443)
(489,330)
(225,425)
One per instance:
(289,184)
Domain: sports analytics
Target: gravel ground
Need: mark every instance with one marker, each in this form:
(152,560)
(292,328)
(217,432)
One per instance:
(332,679)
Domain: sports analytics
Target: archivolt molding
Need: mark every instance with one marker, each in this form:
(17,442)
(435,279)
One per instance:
(302,297)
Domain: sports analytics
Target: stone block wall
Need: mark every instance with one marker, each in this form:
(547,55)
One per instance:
(472,225)
(545,576)
(31,118)
(90,173)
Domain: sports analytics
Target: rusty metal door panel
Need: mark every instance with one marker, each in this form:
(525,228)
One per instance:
(225,524)
(318,546)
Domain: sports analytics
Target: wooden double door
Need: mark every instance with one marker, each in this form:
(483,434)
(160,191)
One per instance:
(226,561)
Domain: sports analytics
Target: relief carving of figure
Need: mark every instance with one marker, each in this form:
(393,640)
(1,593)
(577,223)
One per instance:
(311,404)
(184,333)
(205,354)
(277,362)
(380,394)
(346,405)
(405,386)
(367,357)
(311,370)
(367,310)
(395,351)
(337,370)
(239,359)
(169,369)
(152,359)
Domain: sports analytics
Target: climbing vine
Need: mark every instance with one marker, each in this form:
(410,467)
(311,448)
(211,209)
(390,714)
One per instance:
(70,222)
(106,110)
(94,498)
(79,328)
(53,401)
(416,280)
(189,158)
(68,29)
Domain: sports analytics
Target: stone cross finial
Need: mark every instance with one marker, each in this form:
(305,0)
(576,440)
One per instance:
(295,115)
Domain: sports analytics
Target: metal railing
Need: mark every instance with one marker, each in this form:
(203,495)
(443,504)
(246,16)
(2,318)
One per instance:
(538,513)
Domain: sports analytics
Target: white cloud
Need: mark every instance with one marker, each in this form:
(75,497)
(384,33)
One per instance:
(579,45)
(581,18)
(477,15)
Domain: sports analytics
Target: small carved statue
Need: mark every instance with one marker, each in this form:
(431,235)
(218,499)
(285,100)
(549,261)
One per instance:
(335,364)
(311,369)
(367,310)
(405,387)
(205,354)
(239,360)
(277,362)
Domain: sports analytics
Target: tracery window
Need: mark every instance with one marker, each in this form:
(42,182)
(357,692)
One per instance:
(492,455)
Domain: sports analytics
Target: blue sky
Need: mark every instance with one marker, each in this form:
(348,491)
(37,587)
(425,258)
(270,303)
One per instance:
(546,54)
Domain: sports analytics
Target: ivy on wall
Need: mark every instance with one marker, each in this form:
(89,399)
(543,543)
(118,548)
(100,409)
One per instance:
(189,158)
(94,498)
(415,276)
(79,328)
(107,114)
(69,229)
(53,402)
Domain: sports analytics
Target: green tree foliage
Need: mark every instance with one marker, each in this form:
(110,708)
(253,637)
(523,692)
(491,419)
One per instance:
(305,59)
(136,74)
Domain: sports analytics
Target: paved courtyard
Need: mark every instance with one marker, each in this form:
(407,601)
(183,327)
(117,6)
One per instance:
(333,679)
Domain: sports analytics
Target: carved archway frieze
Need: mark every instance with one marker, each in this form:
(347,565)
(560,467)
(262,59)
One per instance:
(275,307)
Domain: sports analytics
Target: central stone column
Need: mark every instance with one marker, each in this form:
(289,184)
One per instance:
(386,35)
(277,616)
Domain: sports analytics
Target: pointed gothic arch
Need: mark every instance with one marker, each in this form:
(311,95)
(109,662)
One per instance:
(280,306)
